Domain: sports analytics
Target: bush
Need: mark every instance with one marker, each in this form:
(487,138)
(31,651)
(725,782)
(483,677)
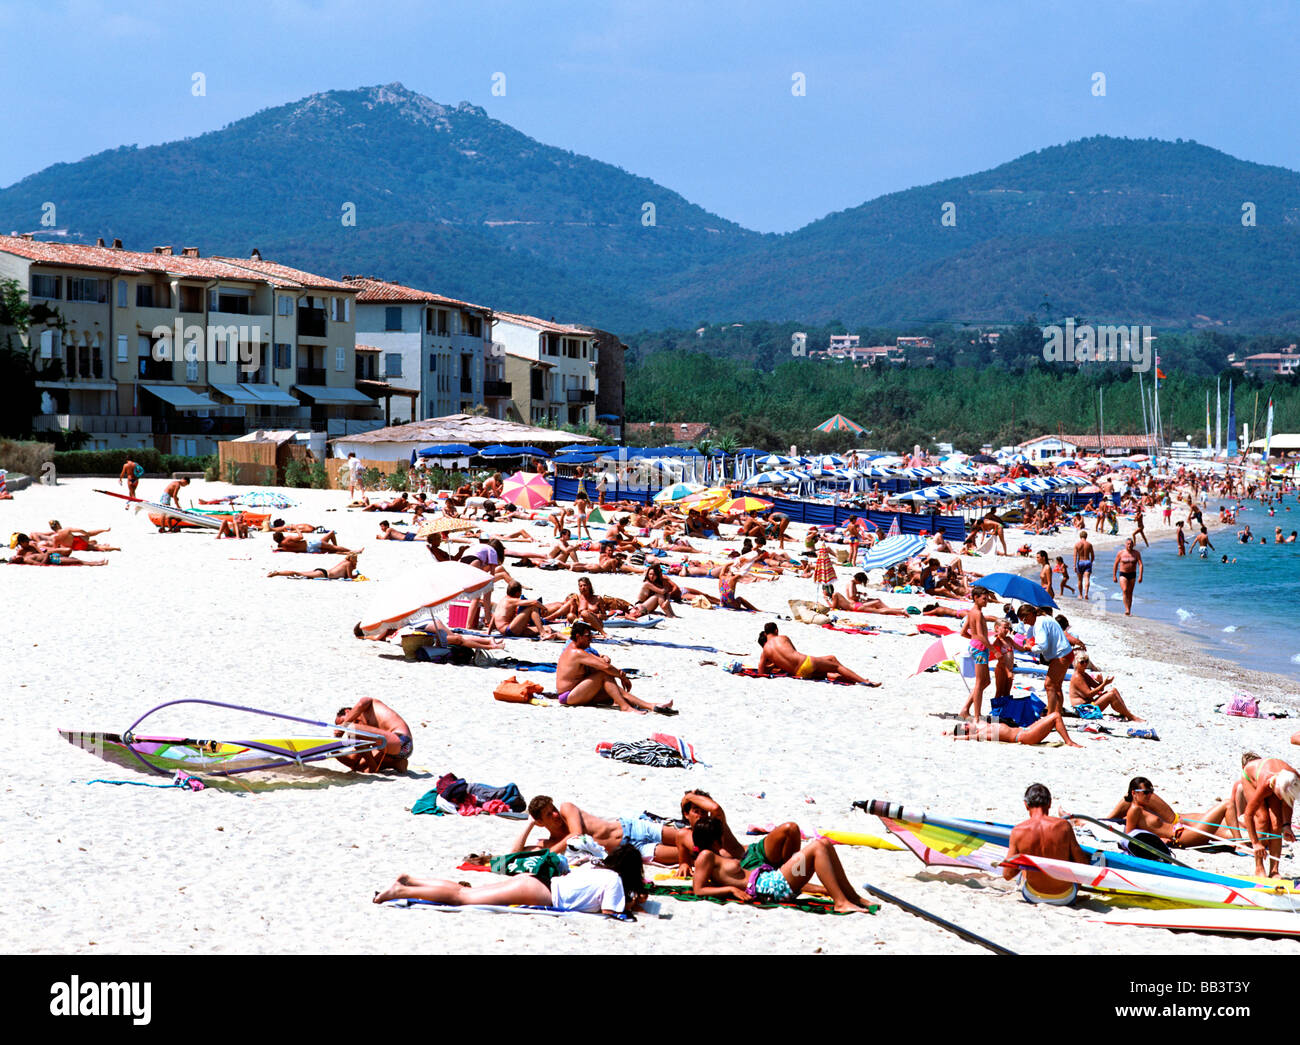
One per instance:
(25,457)
(370,478)
(399,480)
(297,473)
(109,462)
(181,463)
(231,473)
(319,479)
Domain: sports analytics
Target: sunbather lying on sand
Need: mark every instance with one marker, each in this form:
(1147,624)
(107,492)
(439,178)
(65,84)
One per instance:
(857,602)
(344,569)
(779,655)
(652,840)
(725,876)
(618,887)
(315,544)
(27,554)
(1000,732)
(60,538)
(773,849)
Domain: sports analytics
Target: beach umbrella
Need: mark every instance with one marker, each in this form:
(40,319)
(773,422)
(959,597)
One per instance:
(264,499)
(840,423)
(413,599)
(511,451)
(947,647)
(447,450)
(527,490)
(444,524)
(676,492)
(891,550)
(984,459)
(1013,586)
(745,504)
(705,500)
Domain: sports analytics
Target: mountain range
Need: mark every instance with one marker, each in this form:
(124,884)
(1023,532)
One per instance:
(449,199)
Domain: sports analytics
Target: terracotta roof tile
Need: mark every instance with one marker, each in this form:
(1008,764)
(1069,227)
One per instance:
(373,291)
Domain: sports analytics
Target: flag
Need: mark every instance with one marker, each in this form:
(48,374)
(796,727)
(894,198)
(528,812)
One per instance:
(1268,431)
(1232,422)
(894,531)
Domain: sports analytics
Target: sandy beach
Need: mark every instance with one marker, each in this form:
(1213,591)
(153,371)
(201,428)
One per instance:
(92,867)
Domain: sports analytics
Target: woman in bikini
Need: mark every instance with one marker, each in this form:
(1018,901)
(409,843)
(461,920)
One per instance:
(1000,732)
(857,602)
(344,569)
(1145,811)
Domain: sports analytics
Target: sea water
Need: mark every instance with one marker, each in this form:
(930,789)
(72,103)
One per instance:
(1247,610)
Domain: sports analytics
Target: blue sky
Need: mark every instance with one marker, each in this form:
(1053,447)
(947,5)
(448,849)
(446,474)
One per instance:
(696,96)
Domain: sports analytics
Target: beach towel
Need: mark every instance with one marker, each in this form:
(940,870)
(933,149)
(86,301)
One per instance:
(627,622)
(936,629)
(682,747)
(811,904)
(751,673)
(851,630)
(643,753)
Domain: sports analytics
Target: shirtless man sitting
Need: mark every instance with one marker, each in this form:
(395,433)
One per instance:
(519,617)
(1002,733)
(344,569)
(1085,689)
(726,876)
(655,842)
(1043,835)
(779,655)
(378,717)
(314,544)
(583,677)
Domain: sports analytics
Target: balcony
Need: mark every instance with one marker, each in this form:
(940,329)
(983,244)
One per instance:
(93,423)
(466,386)
(496,389)
(582,395)
(311,322)
(310,375)
(184,425)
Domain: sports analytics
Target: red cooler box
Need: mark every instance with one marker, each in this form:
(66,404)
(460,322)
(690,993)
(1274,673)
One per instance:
(458,614)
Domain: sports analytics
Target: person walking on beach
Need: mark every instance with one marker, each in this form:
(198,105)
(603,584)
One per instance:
(1043,835)
(354,476)
(1140,531)
(1128,571)
(131,472)
(1084,555)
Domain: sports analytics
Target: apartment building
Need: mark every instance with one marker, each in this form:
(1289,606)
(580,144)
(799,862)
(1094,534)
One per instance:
(176,351)
(551,368)
(436,346)
(611,382)
(1278,364)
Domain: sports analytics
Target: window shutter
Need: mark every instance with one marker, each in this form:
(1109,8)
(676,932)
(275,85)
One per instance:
(121,344)
(340,357)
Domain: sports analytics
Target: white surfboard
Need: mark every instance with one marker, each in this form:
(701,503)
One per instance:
(1247,921)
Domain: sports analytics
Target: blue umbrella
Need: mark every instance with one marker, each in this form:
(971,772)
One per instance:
(892,550)
(447,450)
(511,451)
(1013,586)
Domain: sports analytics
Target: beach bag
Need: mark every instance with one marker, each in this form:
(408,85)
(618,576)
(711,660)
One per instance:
(1243,706)
(1018,711)
(512,691)
(542,864)
(701,602)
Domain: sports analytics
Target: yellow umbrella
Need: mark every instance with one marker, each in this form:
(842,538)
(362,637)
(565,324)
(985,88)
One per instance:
(745,504)
(705,500)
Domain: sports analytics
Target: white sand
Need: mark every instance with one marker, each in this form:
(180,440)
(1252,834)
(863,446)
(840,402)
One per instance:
(127,869)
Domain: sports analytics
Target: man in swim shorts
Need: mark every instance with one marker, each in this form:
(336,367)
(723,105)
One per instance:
(779,655)
(310,544)
(171,495)
(1083,559)
(1270,787)
(583,677)
(131,472)
(1043,835)
(391,533)
(376,716)
(654,841)
(724,876)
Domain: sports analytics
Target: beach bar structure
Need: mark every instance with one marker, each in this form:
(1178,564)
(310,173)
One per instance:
(400,442)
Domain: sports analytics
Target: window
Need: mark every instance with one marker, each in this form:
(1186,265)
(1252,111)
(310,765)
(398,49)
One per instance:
(121,342)
(340,309)
(121,293)
(392,319)
(433,364)
(92,290)
(284,305)
(191,370)
(143,346)
(48,343)
(143,295)
(340,358)
(46,286)
(392,364)
(192,300)
(234,303)
(283,357)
